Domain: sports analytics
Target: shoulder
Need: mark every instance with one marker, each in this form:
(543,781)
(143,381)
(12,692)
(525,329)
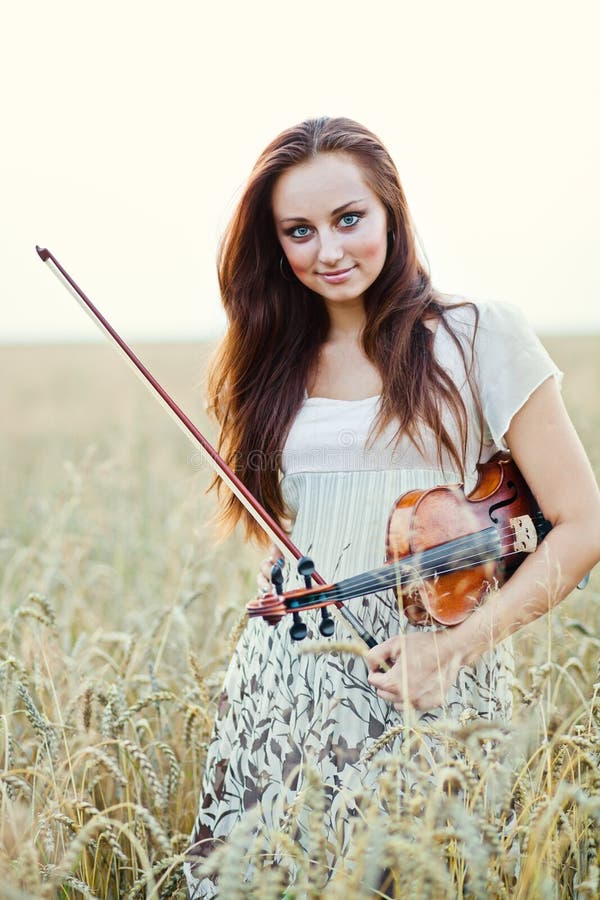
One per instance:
(489,332)
(509,360)
(468,317)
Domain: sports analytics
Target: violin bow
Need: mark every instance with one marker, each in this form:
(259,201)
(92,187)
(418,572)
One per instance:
(271,528)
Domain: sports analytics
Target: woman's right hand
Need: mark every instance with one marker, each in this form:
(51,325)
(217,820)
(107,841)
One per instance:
(263,579)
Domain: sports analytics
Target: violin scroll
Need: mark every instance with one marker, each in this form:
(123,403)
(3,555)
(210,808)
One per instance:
(272,607)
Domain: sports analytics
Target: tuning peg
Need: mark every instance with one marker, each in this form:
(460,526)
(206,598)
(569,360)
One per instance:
(277,578)
(306,567)
(298,629)
(327,623)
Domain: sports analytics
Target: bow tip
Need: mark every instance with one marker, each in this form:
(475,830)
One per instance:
(42,252)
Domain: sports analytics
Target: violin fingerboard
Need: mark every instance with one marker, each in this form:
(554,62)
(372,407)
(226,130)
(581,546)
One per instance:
(525,535)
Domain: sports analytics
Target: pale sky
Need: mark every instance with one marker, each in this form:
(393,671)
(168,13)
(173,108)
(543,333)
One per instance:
(129,127)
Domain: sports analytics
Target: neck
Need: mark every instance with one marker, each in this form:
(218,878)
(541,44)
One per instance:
(346,321)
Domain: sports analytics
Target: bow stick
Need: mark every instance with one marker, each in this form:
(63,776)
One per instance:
(217,463)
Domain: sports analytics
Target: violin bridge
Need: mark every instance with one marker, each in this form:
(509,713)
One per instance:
(525,535)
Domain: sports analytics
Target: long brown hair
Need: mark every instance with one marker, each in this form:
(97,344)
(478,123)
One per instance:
(276,325)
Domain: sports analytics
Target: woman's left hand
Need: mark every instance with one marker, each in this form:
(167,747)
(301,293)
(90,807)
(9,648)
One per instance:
(422,668)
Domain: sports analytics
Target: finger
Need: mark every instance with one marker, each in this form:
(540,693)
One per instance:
(381,681)
(374,660)
(382,663)
(379,656)
(267,564)
(275,555)
(379,661)
(265,569)
(391,696)
(263,584)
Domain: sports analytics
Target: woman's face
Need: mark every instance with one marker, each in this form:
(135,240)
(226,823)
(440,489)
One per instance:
(331,225)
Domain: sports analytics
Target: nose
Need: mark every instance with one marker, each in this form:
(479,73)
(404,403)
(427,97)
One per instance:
(330,249)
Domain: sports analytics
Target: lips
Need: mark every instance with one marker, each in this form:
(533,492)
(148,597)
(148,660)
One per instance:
(336,277)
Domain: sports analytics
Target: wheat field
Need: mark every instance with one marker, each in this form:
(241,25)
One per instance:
(119,613)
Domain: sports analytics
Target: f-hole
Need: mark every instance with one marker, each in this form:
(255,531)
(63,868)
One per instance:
(502,503)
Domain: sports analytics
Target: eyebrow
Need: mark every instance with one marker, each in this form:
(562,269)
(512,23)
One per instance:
(334,212)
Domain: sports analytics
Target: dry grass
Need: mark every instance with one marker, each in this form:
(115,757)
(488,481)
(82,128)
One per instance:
(116,611)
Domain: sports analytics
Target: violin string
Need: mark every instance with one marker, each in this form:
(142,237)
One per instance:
(366,583)
(505,531)
(432,556)
(419,574)
(372,581)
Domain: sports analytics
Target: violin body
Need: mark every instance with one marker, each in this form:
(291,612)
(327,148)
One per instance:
(423,519)
(444,550)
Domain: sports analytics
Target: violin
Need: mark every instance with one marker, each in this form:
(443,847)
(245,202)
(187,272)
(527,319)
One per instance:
(444,551)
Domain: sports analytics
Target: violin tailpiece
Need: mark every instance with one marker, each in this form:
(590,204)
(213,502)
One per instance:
(525,535)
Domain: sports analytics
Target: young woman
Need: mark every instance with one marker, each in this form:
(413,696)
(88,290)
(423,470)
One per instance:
(344,380)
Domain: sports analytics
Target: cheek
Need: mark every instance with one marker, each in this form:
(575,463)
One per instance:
(299,260)
(375,249)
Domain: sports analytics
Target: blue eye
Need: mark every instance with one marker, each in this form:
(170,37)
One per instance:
(349,219)
(300,231)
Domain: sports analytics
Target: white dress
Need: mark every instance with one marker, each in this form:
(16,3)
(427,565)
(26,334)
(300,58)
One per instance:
(280,710)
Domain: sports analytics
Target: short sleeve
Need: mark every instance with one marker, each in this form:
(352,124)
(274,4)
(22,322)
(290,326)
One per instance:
(510,362)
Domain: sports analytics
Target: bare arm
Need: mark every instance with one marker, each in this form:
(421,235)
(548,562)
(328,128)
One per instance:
(548,452)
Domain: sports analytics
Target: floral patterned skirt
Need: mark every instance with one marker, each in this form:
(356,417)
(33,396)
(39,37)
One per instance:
(284,712)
